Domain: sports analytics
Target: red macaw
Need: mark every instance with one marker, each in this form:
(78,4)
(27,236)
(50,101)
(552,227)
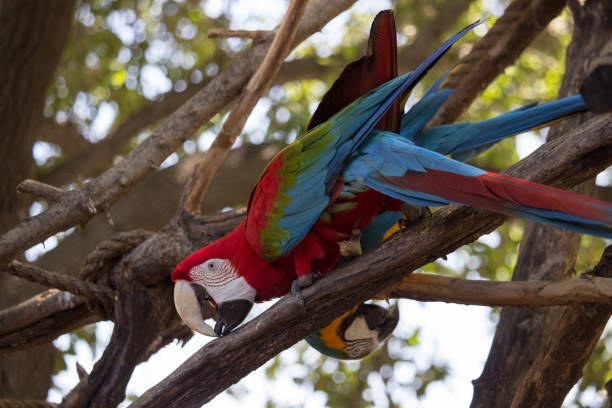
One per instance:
(334,179)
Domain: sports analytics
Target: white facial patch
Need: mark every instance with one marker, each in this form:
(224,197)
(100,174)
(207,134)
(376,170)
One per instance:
(360,340)
(221,281)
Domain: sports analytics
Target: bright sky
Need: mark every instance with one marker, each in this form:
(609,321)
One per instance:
(459,336)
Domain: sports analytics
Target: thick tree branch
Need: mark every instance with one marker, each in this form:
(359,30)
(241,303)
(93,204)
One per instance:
(435,288)
(257,85)
(77,207)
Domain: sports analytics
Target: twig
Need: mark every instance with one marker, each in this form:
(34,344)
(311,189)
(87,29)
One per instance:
(61,281)
(259,83)
(255,35)
(42,190)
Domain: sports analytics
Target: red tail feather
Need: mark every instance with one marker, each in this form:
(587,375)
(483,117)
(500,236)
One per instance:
(501,193)
(378,66)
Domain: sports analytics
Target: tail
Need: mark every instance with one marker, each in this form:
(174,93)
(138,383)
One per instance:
(400,169)
(467,139)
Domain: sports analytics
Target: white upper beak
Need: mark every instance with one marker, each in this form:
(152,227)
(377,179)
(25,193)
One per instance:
(189,308)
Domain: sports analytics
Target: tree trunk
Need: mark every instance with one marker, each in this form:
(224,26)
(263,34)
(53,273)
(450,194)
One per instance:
(32,37)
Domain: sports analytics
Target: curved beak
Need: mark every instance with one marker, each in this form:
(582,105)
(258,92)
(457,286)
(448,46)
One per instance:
(390,323)
(188,307)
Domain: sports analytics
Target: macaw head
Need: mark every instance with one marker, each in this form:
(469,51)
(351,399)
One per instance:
(212,274)
(357,333)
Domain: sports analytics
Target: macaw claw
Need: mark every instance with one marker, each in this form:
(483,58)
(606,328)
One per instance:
(352,246)
(412,214)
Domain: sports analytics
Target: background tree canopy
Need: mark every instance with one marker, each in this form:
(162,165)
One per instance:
(114,102)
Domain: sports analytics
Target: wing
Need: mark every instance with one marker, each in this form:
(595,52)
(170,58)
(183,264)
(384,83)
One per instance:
(299,182)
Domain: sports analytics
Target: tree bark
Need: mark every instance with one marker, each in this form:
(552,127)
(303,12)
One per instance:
(32,37)
(522,21)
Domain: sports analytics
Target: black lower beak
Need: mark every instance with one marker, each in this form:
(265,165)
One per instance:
(230,314)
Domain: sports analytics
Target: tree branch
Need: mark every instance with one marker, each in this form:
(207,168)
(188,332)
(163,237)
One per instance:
(258,84)
(40,190)
(255,35)
(522,21)
(36,308)
(435,288)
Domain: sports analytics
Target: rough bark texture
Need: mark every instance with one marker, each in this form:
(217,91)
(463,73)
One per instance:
(32,37)
(546,253)
(435,288)
(559,364)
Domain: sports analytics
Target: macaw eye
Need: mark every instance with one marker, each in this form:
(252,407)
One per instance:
(213,265)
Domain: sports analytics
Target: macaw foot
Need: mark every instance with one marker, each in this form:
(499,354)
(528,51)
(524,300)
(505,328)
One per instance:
(412,214)
(352,246)
(303,281)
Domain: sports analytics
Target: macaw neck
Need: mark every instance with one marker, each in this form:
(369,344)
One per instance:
(270,280)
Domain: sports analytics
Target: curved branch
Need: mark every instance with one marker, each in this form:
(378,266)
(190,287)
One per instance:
(435,288)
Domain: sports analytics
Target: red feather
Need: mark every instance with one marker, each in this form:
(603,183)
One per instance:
(500,193)
(376,67)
